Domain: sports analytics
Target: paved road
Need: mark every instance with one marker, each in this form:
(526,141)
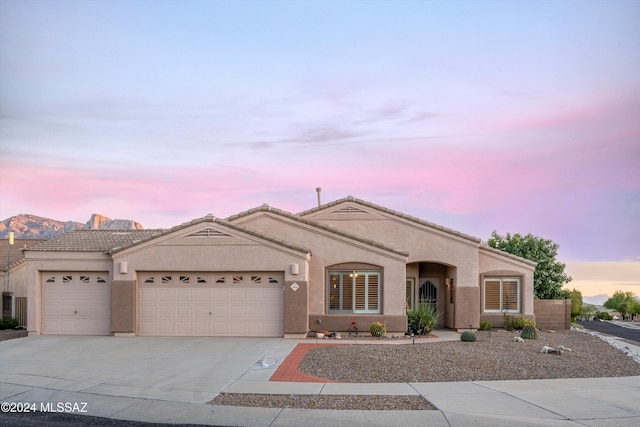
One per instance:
(631,334)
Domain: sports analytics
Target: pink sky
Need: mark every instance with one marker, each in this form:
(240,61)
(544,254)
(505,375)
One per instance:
(526,119)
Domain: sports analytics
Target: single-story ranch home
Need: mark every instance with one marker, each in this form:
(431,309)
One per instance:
(269,273)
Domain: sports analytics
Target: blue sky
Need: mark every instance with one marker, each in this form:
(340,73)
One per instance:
(518,116)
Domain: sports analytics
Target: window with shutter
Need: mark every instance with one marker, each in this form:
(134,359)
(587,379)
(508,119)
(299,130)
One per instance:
(502,294)
(354,292)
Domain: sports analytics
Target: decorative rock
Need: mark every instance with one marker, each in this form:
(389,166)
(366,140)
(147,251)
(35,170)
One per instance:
(517,339)
(561,347)
(319,335)
(551,350)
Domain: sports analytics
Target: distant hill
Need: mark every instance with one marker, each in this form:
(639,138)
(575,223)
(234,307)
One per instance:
(596,299)
(26,226)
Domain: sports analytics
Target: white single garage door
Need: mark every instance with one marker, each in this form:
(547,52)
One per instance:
(211,304)
(76,303)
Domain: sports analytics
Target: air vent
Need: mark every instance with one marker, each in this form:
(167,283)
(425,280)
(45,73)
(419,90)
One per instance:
(209,232)
(349,210)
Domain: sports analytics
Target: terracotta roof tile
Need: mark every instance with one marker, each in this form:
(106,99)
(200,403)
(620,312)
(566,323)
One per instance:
(93,240)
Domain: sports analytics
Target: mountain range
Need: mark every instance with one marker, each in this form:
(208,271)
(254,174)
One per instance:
(27,226)
(596,299)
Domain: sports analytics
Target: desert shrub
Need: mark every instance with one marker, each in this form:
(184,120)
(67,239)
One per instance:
(377,329)
(529,332)
(485,326)
(422,320)
(468,336)
(512,322)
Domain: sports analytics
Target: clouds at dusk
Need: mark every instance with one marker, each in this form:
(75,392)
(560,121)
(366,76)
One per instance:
(523,119)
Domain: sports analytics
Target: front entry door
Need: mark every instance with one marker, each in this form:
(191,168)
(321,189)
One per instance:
(428,292)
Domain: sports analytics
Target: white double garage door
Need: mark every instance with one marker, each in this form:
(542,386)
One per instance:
(211,304)
(169,304)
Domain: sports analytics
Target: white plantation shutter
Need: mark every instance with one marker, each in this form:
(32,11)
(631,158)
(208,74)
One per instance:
(354,291)
(502,294)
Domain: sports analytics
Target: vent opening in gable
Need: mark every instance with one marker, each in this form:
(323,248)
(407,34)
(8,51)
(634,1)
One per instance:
(349,210)
(209,232)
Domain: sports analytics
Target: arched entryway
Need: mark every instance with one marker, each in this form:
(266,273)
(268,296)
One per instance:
(432,283)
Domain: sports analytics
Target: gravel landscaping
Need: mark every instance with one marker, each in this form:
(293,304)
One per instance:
(492,357)
(488,359)
(9,334)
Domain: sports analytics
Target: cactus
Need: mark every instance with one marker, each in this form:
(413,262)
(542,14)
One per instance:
(468,336)
(377,329)
(529,332)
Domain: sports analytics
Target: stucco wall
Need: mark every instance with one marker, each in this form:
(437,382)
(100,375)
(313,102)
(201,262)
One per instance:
(553,314)
(493,264)
(329,249)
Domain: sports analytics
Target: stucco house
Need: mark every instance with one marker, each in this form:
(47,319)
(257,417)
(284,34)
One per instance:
(269,273)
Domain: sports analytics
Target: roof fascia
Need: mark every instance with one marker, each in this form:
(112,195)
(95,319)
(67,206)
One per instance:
(394,213)
(218,221)
(313,224)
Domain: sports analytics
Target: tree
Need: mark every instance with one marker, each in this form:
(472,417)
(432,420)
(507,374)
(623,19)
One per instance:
(576,304)
(623,302)
(588,311)
(549,277)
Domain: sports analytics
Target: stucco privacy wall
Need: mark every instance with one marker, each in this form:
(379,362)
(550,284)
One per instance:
(218,248)
(38,262)
(554,314)
(496,263)
(330,249)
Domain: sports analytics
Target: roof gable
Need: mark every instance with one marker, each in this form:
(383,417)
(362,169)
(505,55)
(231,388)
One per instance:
(317,225)
(210,227)
(350,204)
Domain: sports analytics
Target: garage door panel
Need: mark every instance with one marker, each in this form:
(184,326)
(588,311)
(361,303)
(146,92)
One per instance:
(166,312)
(76,303)
(238,295)
(184,295)
(220,311)
(213,308)
(167,295)
(148,295)
(203,295)
(220,295)
(202,312)
(184,312)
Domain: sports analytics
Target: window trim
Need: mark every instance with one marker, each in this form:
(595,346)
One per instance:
(353,274)
(502,279)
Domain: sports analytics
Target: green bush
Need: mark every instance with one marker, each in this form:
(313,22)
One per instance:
(603,315)
(422,320)
(468,336)
(512,322)
(8,323)
(377,329)
(529,332)
(485,326)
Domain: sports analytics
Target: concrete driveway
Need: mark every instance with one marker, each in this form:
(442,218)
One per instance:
(169,380)
(105,371)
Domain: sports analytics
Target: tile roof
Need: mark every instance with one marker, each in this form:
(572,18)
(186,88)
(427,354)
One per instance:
(93,240)
(267,208)
(17,256)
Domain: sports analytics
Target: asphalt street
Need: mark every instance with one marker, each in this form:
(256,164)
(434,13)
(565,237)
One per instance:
(631,334)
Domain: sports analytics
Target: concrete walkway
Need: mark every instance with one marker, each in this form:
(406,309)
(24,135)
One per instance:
(170,380)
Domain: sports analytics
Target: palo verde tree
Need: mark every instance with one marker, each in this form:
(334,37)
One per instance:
(549,277)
